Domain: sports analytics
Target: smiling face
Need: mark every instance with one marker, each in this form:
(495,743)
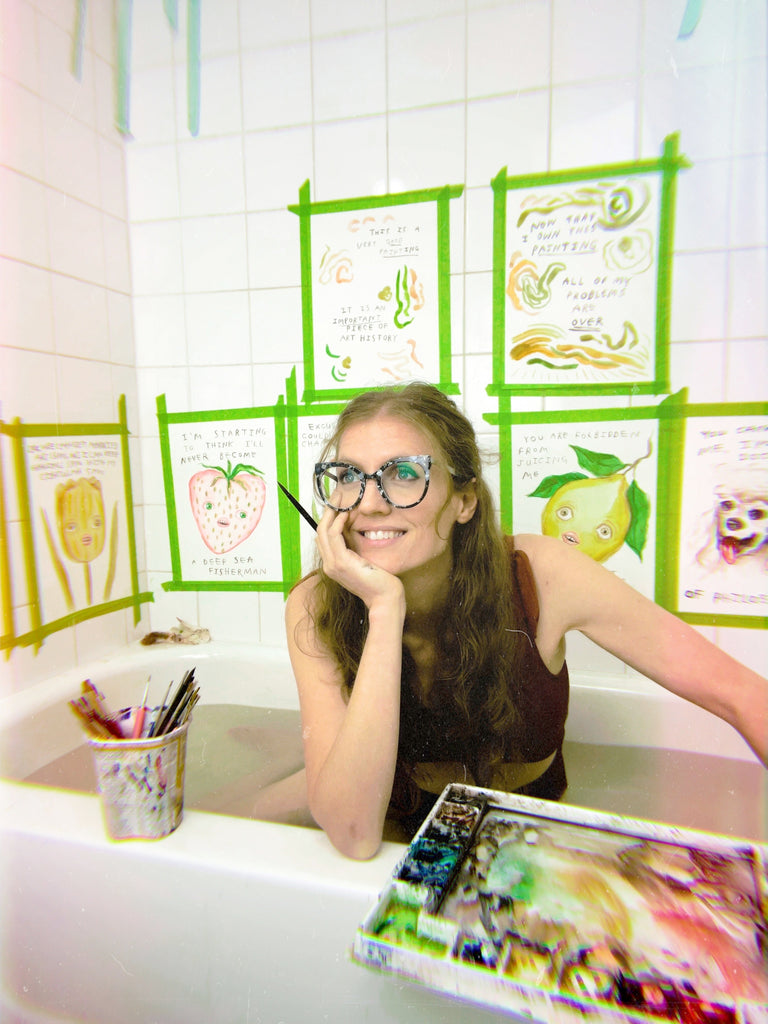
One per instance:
(401,540)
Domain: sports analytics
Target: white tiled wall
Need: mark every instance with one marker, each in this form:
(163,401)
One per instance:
(66,322)
(358,97)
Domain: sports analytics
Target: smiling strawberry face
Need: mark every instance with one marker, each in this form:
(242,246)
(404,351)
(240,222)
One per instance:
(227,504)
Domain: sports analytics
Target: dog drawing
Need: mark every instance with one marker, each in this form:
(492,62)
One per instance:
(737,527)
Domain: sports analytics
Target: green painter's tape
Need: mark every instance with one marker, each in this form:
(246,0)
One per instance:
(130,524)
(691,18)
(290,551)
(170,496)
(208,585)
(171,8)
(428,195)
(193,66)
(124,30)
(78,40)
(35,637)
(290,526)
(499,186)
(6,584)
(307,322)
(668,495)
(25,512)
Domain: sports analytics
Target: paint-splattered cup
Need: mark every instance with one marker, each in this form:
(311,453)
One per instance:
(141,783)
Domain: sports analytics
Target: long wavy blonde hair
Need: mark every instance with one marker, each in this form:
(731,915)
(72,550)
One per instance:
(480,651)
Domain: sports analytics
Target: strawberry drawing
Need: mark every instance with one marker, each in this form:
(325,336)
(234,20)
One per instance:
(227,504)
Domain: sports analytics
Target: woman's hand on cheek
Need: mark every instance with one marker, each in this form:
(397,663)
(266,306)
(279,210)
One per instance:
(343,565)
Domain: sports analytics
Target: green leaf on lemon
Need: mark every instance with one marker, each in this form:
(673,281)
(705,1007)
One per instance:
(551,484)
(640,507)
(598,463)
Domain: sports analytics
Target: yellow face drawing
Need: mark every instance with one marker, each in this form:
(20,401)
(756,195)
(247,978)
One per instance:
(80,518)
(591,514)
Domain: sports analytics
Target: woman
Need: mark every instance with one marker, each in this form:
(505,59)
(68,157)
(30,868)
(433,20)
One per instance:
(428,648)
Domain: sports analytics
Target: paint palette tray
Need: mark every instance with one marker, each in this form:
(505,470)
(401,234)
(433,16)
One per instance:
(562,913)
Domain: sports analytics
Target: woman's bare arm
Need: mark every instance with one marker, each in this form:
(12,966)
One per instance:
(575,592)
(350,747)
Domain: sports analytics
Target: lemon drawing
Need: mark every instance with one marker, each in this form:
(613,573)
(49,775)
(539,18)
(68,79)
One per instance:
(597,513)
(592,514)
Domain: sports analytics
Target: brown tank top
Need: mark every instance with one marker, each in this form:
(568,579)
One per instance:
(428,757)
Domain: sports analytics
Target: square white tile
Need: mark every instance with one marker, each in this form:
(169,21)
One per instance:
(427,147)
(76,234)
(112,178)
(698,296)
(120,315)
(81,326)
(264,25)
(595,39)
(747,298)
(152,182)
(173,382)
(273,250)
(23,218)
(117,258)
(426,62)
(363,169)
(508,49)
(211,179)
(26,312)
(703,186)
(159,330)
(220,387)
(749,215)
(349,75)
(215,253)
(276,325)
(21,129)
(29,385)
(218,328)
(71,155)
(747,370)
(276,163)
(698,103)
(594,124)
(19,56)
(342,16)
(221,107)
(84,388)
(699,367)
(153,105)
(507,131)
(478,314)
(277,88)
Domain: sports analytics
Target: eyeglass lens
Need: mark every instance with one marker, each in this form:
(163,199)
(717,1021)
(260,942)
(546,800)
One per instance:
(403,482)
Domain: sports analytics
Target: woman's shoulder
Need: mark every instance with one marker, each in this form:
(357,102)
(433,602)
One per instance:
(535,546)
(554,563)
(301,595)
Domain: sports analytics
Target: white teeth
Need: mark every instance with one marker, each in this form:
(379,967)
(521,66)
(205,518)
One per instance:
(382,534)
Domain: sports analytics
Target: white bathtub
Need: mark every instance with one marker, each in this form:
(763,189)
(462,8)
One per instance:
(235,920)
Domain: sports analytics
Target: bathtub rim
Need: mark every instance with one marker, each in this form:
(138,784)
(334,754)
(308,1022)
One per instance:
(650,717)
